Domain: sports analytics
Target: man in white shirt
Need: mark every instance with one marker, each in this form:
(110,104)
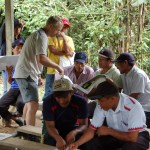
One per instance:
(29,66)
(135,81)
(126,128)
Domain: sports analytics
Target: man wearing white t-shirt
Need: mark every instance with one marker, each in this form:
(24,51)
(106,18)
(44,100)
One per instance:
(126,128)
(135,82)
(30,63)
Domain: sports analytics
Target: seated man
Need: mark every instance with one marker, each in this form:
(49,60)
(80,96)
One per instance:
(125,119)
(136,82)
(65,115)
(80,73)
(106,57)
(13,95)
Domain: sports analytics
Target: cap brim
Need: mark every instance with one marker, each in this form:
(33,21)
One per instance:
(93,97)
(116,60)
(80,60)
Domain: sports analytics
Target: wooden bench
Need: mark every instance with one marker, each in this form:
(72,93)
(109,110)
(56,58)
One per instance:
(13,143)
(32,133)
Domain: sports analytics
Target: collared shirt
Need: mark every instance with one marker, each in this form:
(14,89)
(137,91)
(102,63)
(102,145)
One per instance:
(28,63)
(136,81)
(86,75)
(128,116)
(114,74)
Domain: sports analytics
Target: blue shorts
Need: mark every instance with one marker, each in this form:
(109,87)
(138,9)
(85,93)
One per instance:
(28,89)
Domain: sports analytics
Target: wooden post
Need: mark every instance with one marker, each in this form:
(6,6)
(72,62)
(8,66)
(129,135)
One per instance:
(9,21)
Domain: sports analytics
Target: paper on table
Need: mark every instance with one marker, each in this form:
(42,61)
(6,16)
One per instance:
(4,136)
(10,60)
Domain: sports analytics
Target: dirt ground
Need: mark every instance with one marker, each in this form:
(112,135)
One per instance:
(14,126)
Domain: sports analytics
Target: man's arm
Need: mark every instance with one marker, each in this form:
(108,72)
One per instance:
(83,123)
(124,136)
(44,60)
(87,136)
(53,132)
(9,70)
(66,47)
(55,51)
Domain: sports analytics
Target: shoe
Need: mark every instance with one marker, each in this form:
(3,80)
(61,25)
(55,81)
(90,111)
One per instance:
(19,122)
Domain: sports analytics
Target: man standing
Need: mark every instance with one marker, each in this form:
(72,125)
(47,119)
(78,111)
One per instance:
(65,115)
(126,128)
(135,82)
(29,66)
(60,50)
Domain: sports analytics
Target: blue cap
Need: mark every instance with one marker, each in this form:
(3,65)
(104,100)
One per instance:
(17,42)
(80,57)
(125,56)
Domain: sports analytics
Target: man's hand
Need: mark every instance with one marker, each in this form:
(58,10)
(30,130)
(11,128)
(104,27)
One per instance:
(103,131)
(40,81)
(61,144)
(73,146)
(70,138)
(61,34)
(9,69)
(60,70)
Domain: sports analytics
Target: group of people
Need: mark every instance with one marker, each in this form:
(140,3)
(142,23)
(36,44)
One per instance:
(119,107)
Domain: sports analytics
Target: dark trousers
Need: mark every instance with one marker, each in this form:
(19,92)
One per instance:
(111,143)
(147,114)
(11,97)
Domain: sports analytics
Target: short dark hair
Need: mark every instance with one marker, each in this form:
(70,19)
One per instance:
(53,20)
(60,94)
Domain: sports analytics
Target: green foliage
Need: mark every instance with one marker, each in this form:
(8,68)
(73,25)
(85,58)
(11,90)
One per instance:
(94,23)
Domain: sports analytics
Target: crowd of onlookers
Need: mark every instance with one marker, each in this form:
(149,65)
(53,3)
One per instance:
(114,115)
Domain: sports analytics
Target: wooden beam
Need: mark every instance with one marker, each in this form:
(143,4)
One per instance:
(9,22)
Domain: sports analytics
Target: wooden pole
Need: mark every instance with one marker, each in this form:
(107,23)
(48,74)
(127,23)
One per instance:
(9,21)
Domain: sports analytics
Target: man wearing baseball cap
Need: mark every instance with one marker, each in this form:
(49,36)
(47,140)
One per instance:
(126,128)
(65,115)
(106,56)
(79,72)
(135,81)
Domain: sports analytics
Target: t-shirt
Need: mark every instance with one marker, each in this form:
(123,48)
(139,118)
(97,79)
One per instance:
(128,116)
(137,81)
(65,118)
(28,63)
(114,74)
(58,44)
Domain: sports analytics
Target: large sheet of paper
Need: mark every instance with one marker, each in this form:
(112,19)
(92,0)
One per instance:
(10,60)
(4,136)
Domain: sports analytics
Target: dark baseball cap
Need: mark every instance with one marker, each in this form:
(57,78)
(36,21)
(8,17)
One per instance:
(125,56)
(80,57)
(107,53)
(17,42)
(17,23)
(104,89)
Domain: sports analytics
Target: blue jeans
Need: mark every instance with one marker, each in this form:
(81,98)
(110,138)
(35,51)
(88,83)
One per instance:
(49,84)
(4,79)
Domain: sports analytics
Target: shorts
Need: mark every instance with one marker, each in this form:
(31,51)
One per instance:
(28,89)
